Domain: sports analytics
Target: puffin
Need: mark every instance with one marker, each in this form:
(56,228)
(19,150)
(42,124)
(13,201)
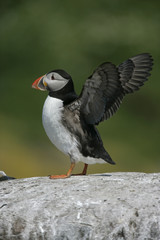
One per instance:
(4,177)
(70,120)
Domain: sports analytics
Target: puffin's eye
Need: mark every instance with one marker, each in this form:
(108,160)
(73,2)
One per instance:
(52,77)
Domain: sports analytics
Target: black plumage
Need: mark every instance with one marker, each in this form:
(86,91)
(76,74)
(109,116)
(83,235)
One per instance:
(109,84)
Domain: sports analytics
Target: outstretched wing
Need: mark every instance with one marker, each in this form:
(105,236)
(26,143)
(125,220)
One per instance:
(104,90)
(99,92)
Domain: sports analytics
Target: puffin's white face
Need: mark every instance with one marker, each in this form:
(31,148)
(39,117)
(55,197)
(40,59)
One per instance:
(51,81)
(54,81)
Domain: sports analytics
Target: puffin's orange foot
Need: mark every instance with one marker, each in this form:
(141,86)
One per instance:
(58,176)
(64,175)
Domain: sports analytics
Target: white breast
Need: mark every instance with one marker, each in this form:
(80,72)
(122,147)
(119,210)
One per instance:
(57,133)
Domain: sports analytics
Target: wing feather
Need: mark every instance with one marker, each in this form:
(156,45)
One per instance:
(135,71)
(104,90)
(99,92)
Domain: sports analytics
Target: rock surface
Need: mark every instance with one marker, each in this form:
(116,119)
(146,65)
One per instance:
(111,206)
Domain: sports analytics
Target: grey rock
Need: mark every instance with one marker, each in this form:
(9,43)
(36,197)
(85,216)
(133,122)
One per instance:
(111,206)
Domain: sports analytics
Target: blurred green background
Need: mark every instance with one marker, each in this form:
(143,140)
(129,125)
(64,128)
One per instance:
(39,36)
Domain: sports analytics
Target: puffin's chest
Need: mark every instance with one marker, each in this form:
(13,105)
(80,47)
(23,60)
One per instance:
(55,130)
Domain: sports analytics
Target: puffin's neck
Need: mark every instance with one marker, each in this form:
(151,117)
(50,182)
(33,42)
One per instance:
(66,94)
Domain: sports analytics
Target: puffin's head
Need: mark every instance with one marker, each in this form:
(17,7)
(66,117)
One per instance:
(52,81)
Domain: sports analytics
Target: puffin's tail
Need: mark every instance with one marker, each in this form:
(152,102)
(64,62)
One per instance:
(106,157)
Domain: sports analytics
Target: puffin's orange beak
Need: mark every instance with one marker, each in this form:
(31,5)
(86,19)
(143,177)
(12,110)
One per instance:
(39,84)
